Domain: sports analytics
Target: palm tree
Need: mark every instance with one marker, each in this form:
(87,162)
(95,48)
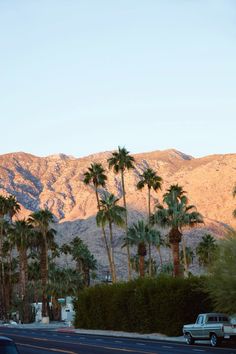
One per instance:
(110,213)
(234,194)
(3,213)
(141,235)
(41,221)
(206,250)
(176,215)
(13,207)
(85,261)
(95,175)
(150,179)
(120,162)
(20,236)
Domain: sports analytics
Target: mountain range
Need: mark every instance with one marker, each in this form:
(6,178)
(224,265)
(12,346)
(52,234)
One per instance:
(56,182)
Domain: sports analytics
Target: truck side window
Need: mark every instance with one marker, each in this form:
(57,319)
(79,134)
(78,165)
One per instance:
(200,320)
(212,319)
(223,319)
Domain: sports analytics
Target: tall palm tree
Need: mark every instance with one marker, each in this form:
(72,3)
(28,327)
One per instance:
(41,221)
(20,235)
(121,161)
(176,215)
(234,194)
(112,214)
(206,250)
(141,234)
(3,213)
(96,175)
(150,179)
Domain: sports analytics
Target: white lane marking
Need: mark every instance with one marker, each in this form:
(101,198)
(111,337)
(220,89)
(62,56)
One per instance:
(166,346)
(99,340)
(118,341)
(140,344)
(198,350)
(67,336)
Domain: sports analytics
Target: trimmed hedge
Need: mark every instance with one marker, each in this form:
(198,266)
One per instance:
(160,305)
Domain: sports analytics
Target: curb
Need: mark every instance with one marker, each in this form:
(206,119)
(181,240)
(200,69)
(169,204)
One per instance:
(123,334)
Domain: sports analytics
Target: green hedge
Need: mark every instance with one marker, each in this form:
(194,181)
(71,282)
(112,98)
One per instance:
(160,305)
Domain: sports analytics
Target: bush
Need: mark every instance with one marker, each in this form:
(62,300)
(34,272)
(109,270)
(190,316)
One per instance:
(160,305)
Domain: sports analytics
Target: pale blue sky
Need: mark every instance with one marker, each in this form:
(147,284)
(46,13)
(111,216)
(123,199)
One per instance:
(84,76)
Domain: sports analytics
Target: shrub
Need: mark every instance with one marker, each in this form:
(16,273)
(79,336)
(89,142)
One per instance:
(160,305)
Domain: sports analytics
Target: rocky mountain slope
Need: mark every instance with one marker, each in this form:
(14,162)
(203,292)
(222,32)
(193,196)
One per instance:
(55,182)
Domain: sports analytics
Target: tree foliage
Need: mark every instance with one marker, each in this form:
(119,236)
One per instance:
(221,285)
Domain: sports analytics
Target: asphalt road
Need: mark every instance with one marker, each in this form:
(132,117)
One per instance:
(51,342)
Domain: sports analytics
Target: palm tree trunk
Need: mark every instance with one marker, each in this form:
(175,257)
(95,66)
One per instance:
(112,253)
(141,266)
(149,244)
(160,256)
(24,282)
(44,276)
(109,256)
(185,257)
(175,255)
(126,224)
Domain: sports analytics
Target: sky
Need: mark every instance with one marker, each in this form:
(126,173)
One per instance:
(84,76)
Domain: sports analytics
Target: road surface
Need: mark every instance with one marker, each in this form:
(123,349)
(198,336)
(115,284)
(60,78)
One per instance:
(37,341)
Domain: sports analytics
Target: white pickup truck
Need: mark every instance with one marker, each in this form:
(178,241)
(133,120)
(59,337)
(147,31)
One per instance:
(215,327)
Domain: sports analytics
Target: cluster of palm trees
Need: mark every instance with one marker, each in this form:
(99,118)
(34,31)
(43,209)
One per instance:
(173,215)
(28,269)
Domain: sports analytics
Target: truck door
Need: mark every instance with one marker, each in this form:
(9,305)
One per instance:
(198,327)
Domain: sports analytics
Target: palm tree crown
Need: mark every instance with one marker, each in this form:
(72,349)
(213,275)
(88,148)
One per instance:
(150,179)
(121,160)
(141,235)
(109,211)
(176,215)
(96,175)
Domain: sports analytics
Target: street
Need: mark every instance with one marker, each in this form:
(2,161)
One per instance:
(49,342)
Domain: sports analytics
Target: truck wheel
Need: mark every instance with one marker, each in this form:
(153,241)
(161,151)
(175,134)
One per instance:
(189,339)
(215,341)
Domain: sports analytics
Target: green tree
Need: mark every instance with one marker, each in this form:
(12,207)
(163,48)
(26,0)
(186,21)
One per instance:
(95,175)
(150,179)
(221,284)
(112,214)
(3,213)
(41,221)
(20,235)
(85,261)
(141,235)
(206,250)
(13,207)
(120,161)
(176,215)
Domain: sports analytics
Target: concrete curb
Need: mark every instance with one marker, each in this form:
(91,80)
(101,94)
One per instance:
(151,336)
